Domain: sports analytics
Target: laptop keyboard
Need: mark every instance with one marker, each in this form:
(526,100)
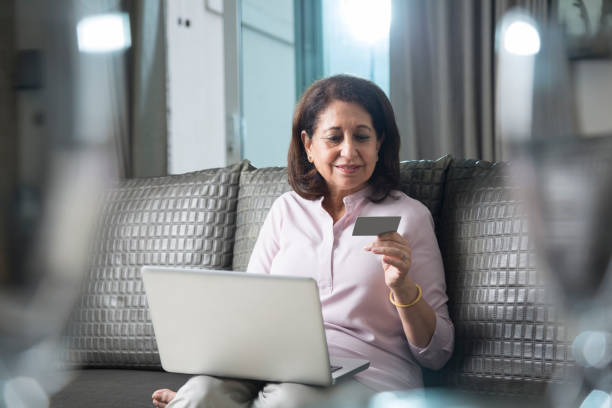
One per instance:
(334,368)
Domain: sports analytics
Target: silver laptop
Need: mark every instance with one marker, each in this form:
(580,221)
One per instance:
(234,324)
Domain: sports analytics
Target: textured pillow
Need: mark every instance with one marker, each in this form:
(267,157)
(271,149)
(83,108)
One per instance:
(420,179)
(258,190)
(510,338)
(424,180)
(183,220)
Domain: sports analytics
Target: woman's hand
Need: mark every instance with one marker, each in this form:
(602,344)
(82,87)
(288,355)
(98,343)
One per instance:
(418,319)
(395,252)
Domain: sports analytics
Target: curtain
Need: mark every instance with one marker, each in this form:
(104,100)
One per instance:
(122,95)
(442,75)
(148,108)
(100,103)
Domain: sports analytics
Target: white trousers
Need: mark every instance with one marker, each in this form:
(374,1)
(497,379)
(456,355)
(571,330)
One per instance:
(212,392)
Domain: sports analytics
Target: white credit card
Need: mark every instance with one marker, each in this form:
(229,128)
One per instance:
(375,225)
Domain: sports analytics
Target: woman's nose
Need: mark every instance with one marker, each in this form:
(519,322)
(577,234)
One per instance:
(348,148)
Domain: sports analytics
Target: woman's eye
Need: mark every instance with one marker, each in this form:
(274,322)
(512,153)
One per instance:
(334,139)
(362,138)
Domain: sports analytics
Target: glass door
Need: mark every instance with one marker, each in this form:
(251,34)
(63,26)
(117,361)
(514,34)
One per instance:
(268,80)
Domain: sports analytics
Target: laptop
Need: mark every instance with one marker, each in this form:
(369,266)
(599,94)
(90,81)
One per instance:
(249,326)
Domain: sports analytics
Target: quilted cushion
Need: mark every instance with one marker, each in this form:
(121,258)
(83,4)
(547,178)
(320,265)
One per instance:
(424,180)
(510,338)
(183,220)
(258,190)
(420,179)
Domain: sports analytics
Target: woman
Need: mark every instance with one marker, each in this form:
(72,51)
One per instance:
(382,300)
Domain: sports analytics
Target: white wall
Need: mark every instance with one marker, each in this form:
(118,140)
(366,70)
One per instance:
(268,80)
(196,104)
(593,94)
(196,98)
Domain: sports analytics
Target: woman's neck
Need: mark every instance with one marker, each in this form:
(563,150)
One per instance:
(335,207)
(333,202)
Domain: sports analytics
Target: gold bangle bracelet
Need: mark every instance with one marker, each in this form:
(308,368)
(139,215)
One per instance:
(414,302)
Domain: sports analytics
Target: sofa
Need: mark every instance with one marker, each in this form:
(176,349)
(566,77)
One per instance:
(511,342)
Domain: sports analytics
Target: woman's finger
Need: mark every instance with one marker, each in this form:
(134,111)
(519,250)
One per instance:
(401,253)
(394,245)
(394,242)
(392,236)
(404,249)
(397,262)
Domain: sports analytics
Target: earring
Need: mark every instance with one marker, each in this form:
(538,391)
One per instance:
(310,158)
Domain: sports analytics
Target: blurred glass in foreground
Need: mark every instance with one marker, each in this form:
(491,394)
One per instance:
(521,38)
(104,33)
(520,42)
(566,184)
(437,398)
(597,399)
(71,152)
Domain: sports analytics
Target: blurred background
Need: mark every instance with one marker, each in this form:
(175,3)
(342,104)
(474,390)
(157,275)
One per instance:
(93,91)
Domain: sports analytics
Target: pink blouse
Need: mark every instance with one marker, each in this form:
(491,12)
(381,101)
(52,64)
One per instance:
(299,238)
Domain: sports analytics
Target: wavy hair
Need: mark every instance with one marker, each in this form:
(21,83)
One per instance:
(303,176)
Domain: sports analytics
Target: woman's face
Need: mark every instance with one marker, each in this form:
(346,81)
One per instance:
(344,147)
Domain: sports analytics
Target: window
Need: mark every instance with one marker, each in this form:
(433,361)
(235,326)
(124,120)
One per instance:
(288,44)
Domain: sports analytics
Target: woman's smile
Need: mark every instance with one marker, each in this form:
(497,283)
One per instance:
(348,168)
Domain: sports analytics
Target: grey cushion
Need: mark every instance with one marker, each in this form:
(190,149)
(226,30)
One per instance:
(101,388)
(424,180)
(509,336)
(258,190)
(184,220)
(420,179)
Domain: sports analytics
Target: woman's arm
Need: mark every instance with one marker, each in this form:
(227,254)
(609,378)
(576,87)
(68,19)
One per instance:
(425,323)
(418,319)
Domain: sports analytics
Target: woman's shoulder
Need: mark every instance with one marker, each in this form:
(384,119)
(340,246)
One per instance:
(288,197)
(281,201)
(289,200)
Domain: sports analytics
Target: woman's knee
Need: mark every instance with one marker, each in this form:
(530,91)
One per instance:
(204,391)
(289,395)
(193,392)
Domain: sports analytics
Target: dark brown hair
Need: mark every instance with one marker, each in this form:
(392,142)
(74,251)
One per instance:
(303,176)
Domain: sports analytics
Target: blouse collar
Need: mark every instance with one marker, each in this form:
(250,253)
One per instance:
(354,199)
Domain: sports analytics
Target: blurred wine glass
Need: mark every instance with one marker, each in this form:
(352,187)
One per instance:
(565,182)
(69,105)
(567,188)
(36,303)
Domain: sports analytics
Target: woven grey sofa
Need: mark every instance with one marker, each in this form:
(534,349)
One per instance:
(510,341)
